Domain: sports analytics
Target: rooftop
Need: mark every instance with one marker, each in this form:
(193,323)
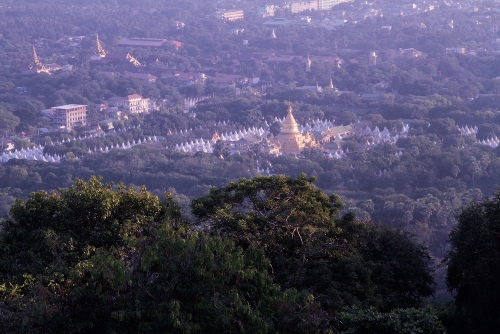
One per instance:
(70,106)
(142,42)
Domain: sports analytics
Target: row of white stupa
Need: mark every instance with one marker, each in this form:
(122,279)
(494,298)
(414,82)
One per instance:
(466,130)
(493,142)
(124,146)
(472,130)
(196,146)
(316,125)
(339,154)
(35,153)
(201,145)
(92,135)
(237,135)
(385,132)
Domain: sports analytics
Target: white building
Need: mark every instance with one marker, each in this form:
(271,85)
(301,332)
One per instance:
(67,116)
(132,104)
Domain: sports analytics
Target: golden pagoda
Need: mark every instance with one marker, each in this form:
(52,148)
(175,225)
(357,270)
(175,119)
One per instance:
(37,65)
(290,140)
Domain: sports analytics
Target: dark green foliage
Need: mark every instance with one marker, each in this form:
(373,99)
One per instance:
(474,265)
(99,258)
(398,321)
(338,260)
(401,284)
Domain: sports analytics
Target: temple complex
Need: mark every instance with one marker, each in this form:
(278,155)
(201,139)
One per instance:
(290,140)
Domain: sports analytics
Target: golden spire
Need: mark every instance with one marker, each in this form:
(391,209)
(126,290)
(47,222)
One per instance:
(331,83)
(134,61)
(100,50)
(37,64)
(289,128)
(308,64)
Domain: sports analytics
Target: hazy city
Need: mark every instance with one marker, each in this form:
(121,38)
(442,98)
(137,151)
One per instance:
(202,166)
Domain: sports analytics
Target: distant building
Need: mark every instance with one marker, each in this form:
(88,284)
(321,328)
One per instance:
(328,4)
(146,77)
(230,15)
(411,52)
(278,22)
(266,11)
(297,7)
(455,50)
(142,42)
(372,60)
(132,104)
(67,116)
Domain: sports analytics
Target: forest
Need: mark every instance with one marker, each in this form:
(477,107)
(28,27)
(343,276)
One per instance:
(427,192)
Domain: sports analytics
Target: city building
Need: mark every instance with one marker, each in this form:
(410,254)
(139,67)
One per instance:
(67,116)
(297,7)
(455,50)
(372,60)
(328,4)
(133,104)
(142,42)
(229,15)
(146,77)
(266,11)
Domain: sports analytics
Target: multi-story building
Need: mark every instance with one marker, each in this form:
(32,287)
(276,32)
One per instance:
(69,116)
(266,11)
(297,7)
(455,50)
(133,104)
(229,15)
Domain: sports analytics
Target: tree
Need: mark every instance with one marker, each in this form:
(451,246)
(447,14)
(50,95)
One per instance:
(398,321)
(95,258)
(292,221)
(310,247)
(474,265)
(8,121)
(401,284)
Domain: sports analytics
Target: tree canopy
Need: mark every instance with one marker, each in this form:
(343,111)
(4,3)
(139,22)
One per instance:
(106,258)
(474,265)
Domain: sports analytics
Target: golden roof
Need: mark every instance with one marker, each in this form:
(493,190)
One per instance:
(289,128)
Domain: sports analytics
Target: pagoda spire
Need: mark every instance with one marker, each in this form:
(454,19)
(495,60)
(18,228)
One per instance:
(331,84)
(100,50)
(273,34)
(37,64)
(308,64)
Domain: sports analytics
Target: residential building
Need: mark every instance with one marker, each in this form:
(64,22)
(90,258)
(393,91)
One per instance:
(142,42)
(266,11)
(297,7)
(455,50)
(146,77)
(229,15)
(133,104)
(328,4)
(68,116)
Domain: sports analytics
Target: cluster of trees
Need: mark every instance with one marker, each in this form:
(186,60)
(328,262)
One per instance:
(271,254)
(268,254)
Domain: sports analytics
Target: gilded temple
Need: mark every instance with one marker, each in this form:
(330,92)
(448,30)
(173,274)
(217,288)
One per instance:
(290,140)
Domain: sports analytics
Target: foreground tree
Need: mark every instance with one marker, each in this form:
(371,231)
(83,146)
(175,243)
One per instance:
(95,258)
(474,265)
(341,260)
